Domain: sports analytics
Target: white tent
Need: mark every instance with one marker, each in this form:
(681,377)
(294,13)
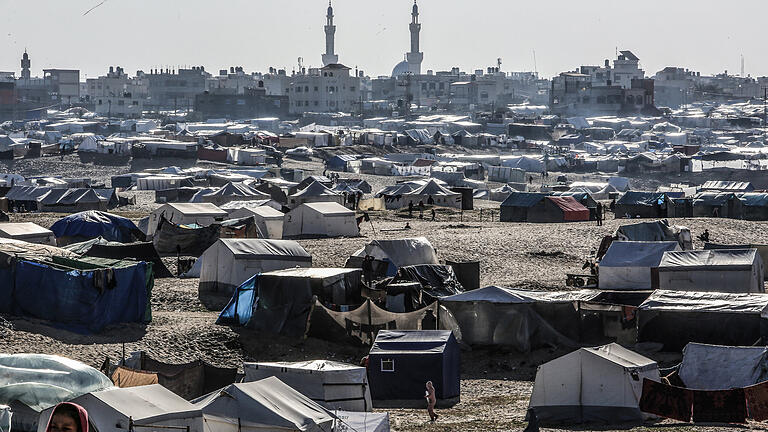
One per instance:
(230,262)
(320,219)
(600,384)
(268,220)
(714,270)
(627,265)
(362,421)
(113,410)
(718,367)
(332,384)
(265,405)
(202,214)
(28,232)
(315,192)
(400,252)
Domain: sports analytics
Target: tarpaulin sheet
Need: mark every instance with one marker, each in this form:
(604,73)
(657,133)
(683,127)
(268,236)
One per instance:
(436,280)
(572,209)
(170,238)
(692,301)
(523,199)
(641,198)
(494,294)
(267,249)
(189,380)
(92,223)
(722,406)
(646,231)
(717,367)
(124,377)
(706,259)
(83,301)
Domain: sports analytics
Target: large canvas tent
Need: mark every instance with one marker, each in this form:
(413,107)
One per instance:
(520,319)
(268,220)
(642,204)
(315,192)
(674,318)
(231,192)
(592,385)
(628,265)
(230,262)
(333,385)
(433,193)
(719,270)
(201,214)
(762,249)
(264,405)
(517,205)
(122,409)
(320,219)
(719,367)
(394,254)
(401,361)
(655,231)
(27,231)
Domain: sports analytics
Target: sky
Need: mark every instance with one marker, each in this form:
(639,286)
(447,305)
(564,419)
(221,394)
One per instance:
(701,35)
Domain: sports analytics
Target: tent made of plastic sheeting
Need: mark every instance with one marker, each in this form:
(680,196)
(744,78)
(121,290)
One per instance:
(397,253)
(655,231)
(434,194)
(230,262)
(675,318)
(230,192)
(139,251)
(717,270)
(434,281)
(121,409)
(525,163)
(268,220)
(22,249)
(201,214)
(517,205)
(163,181)
(320,219)
(280,301)
(171,239)
(754,206)
(83,295)
(761,249)
(642,204)
(333,385)
(401,361)
(264,405)
(592,385)
(523,320)
(627,264)
(718,367)
(28,232)
(503,192)
(314,193)
(91,224)
(363,421)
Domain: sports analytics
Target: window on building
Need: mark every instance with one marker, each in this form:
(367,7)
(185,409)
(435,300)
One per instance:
(120,102)
(99,101)
(442,86)
(306,89)
(484,95)
(317,103)
(387,365)
(431,86)
(352,88)
(325,74)
(424,86)
(330,73)
(298,89)
(135,103)
(315,88)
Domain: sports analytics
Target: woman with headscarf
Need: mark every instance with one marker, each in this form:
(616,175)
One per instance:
(68,417)
(431,401)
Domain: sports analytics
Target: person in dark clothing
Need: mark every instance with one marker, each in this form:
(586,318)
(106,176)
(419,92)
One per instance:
(599,214)
(530,179)
(368,269)
(430,200)
(613,206)
(704,236)
(433,214)
(410,209)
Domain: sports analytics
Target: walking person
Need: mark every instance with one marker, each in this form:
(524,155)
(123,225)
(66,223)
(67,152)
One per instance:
(599,214)
(431,401)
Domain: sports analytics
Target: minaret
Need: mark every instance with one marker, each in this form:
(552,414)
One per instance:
(25,64)
(414,57)
(330,33)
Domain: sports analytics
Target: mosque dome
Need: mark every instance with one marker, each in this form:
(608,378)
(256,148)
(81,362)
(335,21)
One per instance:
(400,69)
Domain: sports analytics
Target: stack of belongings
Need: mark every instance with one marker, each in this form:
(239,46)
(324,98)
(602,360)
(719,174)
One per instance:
(713,384)
(80,294)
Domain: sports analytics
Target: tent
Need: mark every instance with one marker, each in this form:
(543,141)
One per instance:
(364,421)
(121,409)
(230,262)
(231,192)
(719,270)
(592,385)
(333,385)
(139,251)
(268,220)
(628,264)
(201,214)
(642,204)
(191,240)
(520,319)
(314,193)
(431,282)
(674,318)
(396,253)
(91,224)
(434,194)
(717,204)
(320,219)
(27,231)
(517,205)
(558,209)
(401,361)
(762,249)
(281,301)
(655,231)
(754,206)
(264,405)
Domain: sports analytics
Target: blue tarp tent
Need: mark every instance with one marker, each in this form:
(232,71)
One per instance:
(240,307)
(92,224)
(83,295)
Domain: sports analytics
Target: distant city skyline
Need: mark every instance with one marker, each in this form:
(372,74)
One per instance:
(373,36)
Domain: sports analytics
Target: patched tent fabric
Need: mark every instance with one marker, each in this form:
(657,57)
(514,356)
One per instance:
(573,210)
(720,270)
(675,318)
(436,281)
(523,320)
(627,264)
(333,385)
(170,239)
(400,252)
(230,262)
(268,404)
(91,224)
(601,384)
(718,367)
(139,251)
(655,231)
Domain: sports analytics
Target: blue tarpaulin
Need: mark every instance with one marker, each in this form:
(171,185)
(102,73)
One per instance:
(82,301)
(91,224)
(240,307)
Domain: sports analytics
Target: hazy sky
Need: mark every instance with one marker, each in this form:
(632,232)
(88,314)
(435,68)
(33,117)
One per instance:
(703,35)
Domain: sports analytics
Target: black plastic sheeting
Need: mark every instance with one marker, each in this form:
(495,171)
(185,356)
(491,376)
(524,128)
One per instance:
(436,281)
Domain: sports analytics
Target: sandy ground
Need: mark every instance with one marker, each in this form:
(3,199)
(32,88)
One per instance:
(496,385)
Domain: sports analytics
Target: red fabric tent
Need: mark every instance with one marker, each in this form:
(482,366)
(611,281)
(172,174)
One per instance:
(573,211)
